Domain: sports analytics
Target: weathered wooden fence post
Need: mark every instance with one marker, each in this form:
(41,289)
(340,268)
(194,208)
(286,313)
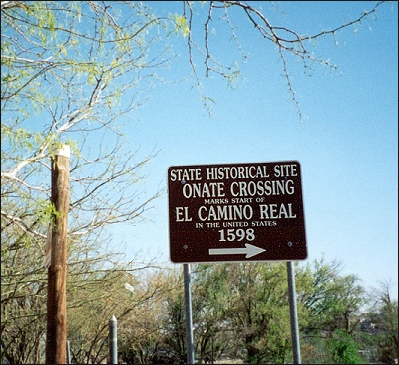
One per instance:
(56,296)
(113,340)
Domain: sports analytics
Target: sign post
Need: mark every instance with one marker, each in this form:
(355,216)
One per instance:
(293,314)
(189,314)
(237,212)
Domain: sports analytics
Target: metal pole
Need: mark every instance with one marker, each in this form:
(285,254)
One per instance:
(113,340)
(189,315)
(56,293)
(293,314)
(68,353)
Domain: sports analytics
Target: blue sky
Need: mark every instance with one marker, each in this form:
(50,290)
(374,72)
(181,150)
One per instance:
(347,144)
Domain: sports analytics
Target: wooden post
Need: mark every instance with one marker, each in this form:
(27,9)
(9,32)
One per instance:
(56,342)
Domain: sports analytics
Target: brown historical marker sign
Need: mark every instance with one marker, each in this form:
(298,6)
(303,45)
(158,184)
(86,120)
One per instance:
(237,212)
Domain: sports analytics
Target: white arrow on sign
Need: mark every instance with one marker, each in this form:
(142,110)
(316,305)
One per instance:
(249,250)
